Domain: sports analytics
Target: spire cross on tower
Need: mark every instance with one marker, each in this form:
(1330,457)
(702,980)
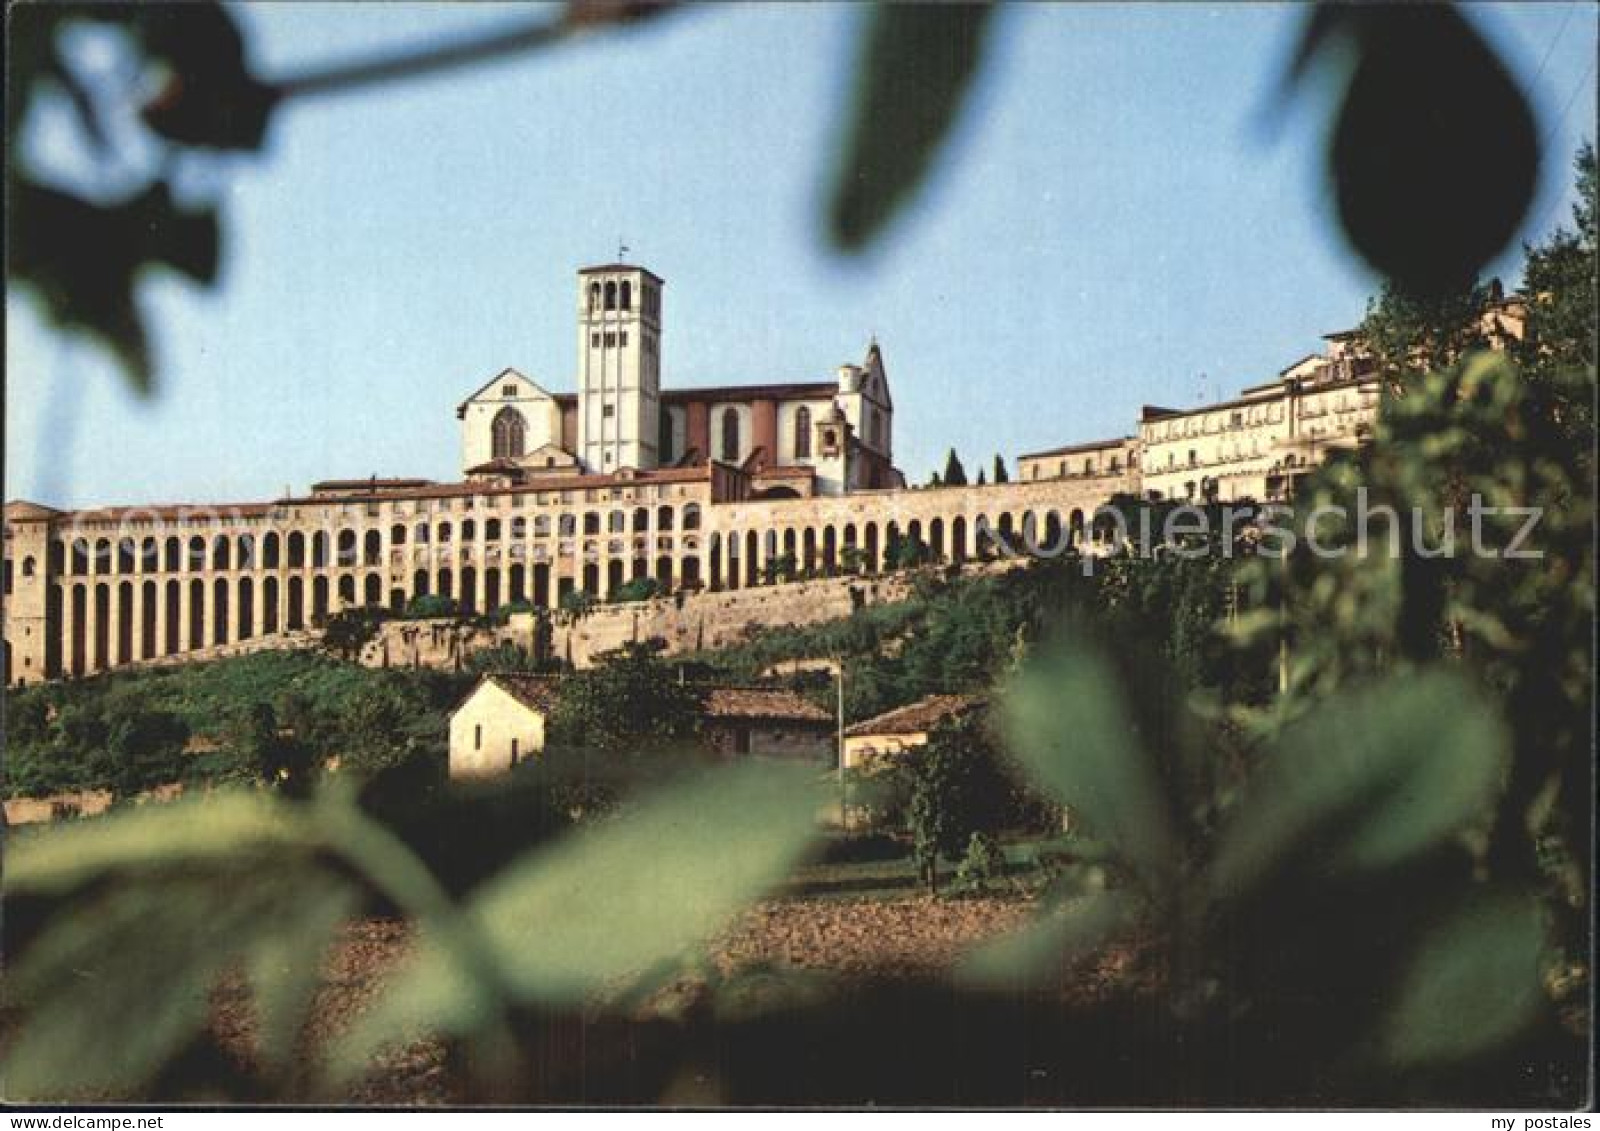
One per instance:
(622,251)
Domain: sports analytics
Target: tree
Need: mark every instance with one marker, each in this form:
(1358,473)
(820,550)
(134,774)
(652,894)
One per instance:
(277,757)
(954,474)
(981,480)
(426,606)
(1559,282)
(577,603)
(144,749)
(1000,475)
(639,589)
(957,790)
(349,630)
(1410,335)
(630,700)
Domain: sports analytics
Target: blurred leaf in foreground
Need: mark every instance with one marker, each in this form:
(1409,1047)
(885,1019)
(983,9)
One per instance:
(1434,165)
(913,77)
(609,902)
(1473,985)
(1066,720)
(1368,780)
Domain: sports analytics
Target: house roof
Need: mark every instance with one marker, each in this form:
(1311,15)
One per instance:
(923,715)
(22,510)
(774,704)
(536,692)
(1072,449)
(784,391)
(370,484)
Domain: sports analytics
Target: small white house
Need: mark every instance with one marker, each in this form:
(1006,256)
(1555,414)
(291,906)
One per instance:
(500,723)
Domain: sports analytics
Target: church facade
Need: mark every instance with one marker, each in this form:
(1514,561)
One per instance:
(618,481)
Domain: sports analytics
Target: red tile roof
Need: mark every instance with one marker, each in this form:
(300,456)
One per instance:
(915,718)
(773,704)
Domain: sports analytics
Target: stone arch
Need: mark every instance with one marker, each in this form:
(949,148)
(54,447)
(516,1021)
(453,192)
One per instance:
(270,622)
(297,550)
(319,600)
(245,551)
(219,610)
(78,650)
(173,555)
(172,630)
(469,589)
(958,539)
(125,622)
(691,516)
(319,550)
(247,608)
(148,627)
(149,558)
(295,618)
(347,591)
(372,591)
(347,547)
(664,517)
(397,534)
(102,626)
(271,550)
(197,614)
(372,548)
(197,554)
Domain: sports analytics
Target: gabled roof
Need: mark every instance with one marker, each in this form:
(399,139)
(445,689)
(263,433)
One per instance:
(773,704)
(923,715)
(536,692)
(508,371)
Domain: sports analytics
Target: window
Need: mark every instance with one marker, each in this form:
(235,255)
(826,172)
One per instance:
(513,752)
(608,411)
(477,737)
(627,297)
(730,434)
(594,295)
(611,340)
(508,390)
(508,434)
(594,341)
(802,433)
(611,296)
(623,337)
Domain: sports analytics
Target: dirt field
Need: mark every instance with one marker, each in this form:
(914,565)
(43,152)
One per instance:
(848,937)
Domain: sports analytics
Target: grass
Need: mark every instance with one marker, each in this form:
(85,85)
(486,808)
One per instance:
(880,868)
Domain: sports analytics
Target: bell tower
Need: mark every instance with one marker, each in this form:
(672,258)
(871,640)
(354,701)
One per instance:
(619,367)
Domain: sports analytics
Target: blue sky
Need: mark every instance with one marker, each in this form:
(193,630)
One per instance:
(1112,226)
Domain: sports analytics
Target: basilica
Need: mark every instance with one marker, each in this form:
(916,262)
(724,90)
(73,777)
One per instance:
(621,482)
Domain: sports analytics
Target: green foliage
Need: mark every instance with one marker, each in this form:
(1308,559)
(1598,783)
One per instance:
(349,630)
(1558,347)
(983,866)
(1337,898)
(429,606)
(576,603)
(631,698)
(639,589)
(954,474)
(956,791)
(1000,474)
